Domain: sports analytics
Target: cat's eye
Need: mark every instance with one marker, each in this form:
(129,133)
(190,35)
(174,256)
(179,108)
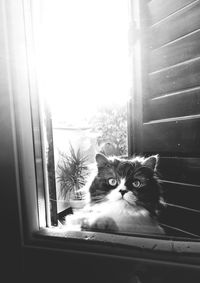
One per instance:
(112,182)
(136,184)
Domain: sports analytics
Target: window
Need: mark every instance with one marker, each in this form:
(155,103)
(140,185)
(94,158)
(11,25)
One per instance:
(149,131)
(86,90)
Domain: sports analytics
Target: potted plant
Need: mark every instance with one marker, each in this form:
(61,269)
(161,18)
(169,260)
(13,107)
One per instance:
(72,173)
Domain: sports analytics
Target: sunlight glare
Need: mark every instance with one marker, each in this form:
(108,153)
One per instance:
(83,58)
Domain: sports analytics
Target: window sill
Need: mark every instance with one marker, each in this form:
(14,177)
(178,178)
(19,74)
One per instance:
(161,250)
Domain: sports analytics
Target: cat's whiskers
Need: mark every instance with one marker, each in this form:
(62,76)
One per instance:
(130,198)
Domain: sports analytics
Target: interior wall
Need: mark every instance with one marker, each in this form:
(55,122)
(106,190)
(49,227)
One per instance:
(10,231)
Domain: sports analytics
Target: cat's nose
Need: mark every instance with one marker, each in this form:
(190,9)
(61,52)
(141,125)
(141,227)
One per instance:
(123,192)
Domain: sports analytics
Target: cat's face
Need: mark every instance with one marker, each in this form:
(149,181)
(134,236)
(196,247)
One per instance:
(133,180)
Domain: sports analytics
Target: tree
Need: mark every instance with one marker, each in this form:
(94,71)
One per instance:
(111,124)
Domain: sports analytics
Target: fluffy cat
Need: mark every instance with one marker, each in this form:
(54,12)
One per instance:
(125,196)
(136,176)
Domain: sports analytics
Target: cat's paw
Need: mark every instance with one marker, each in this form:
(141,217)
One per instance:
(85,225)
(102,224)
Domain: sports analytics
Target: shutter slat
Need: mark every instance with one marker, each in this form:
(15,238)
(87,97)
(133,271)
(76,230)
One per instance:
(182,195)
(160,9)
(181,50)
(176,137)
(170,106)
(175,27)
(182,171)
(176,78)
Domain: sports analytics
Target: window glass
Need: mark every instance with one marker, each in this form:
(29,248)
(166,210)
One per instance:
(109,91)
(84,82)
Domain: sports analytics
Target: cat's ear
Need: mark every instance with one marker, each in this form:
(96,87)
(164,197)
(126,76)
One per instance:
(101,160)
(151,162)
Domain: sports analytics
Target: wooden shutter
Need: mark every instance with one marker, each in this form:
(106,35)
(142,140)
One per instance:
(166,105)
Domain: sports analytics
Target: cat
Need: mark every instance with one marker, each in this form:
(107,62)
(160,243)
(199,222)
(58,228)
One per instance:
(137,175)
(125,196)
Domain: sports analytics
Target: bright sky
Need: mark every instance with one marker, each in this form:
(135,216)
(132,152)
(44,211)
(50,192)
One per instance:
(83,56)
